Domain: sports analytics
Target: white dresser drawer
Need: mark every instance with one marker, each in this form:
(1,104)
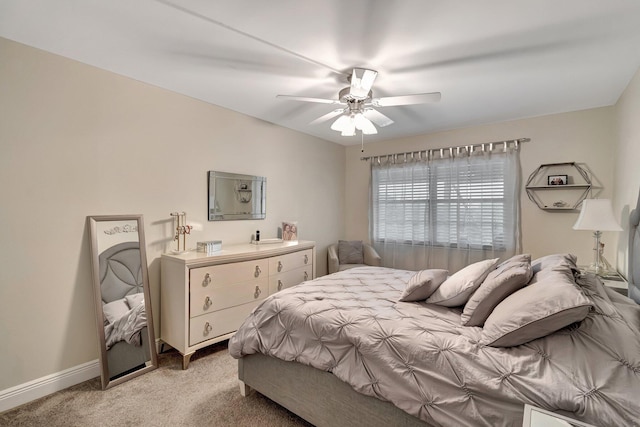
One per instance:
(213,298)
(288,262)
(204,277)
(209,326)
(282,281)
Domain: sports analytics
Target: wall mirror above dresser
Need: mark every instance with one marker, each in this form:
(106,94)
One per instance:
(235,196)
(121,295)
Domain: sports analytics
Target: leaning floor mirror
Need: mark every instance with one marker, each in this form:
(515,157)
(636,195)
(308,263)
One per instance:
(122,298)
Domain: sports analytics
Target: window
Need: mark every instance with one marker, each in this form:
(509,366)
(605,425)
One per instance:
(467,202)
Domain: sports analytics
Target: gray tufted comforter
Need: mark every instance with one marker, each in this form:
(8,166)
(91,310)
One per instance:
(420,358)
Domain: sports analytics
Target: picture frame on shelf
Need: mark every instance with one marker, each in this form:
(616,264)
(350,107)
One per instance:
(557,179)
(289,231)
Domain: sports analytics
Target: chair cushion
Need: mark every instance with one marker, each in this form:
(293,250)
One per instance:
(350,252)
(343,267)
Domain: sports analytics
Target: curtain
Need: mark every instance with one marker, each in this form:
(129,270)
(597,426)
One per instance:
(446,208)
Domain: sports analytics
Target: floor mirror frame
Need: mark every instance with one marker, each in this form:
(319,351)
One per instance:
(99,222)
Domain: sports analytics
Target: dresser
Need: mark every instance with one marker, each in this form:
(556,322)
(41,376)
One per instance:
(204,298)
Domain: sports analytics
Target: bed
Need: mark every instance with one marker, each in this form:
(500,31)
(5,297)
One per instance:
(123,308)
(343,350)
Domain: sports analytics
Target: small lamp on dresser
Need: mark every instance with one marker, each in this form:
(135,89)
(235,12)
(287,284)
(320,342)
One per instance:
(597,215)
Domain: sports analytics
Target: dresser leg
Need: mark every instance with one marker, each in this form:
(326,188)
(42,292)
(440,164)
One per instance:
(185,360)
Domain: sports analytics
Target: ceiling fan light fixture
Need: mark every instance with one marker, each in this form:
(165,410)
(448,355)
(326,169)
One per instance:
(365,125)
(340,123)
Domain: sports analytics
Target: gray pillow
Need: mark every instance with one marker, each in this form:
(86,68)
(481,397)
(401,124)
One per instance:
(553,265)
(554,261)
(507,278)
(534,312)
(422,284)
(350,252)
(456,289)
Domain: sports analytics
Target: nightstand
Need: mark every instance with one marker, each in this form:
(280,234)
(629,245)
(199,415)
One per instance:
(612,280)
(537,417)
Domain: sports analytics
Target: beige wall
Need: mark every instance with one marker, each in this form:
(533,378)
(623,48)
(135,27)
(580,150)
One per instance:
(627,171)
(584,137)
(78,141)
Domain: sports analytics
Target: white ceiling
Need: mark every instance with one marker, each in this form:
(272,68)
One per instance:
(492,60)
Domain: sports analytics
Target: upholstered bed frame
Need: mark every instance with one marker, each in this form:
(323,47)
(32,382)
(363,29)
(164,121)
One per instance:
(633,275)
(122,356)
(317,396)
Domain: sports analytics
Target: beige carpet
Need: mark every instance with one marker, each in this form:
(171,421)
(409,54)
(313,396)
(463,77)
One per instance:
(206,394)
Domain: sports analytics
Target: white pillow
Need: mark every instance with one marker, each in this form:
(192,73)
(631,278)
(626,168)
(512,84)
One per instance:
(134,300)
(457,289)
(422,284)
(115,309)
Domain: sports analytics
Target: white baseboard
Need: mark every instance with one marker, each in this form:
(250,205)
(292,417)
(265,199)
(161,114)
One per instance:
(25,393)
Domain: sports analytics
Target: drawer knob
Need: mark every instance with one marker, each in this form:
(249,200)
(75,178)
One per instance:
(257,293)
(258,271)
(206,281)
(207,328)
(306,258)
(279,285)
(207,302)
(279,266)
(306,275)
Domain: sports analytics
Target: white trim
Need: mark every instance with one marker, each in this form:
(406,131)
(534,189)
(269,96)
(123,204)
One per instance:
(32,390)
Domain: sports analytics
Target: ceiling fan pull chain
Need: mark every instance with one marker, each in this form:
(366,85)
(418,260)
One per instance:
(362,141)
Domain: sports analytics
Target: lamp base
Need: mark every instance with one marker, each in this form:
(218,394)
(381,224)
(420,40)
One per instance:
(603,268)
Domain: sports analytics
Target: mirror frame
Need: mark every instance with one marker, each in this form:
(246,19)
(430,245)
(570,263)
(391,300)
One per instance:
(93,221)
(229,180)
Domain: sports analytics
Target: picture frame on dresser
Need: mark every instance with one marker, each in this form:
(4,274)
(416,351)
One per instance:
(205,297)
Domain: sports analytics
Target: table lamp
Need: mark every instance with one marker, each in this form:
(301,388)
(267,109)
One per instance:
(597,215)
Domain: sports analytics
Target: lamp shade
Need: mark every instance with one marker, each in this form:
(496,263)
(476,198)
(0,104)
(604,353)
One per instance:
(597,215)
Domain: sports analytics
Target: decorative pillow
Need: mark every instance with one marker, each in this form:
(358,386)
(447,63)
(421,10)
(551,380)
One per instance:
(553,261)
(510,276)
(422,284)
(552,265)
(115,310)
(534,312)
(350,252)
(134,300)
(456,289)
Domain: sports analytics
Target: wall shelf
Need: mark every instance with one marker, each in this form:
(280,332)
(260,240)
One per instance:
(563,197)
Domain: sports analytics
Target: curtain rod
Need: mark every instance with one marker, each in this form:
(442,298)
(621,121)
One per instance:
(467,146)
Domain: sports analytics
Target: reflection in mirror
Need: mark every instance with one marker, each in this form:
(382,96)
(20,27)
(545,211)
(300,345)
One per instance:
(122,298)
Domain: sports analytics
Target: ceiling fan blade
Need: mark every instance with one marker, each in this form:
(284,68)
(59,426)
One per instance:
(361,82)
(307,99)
(418,98)
(327,116)
(377,117)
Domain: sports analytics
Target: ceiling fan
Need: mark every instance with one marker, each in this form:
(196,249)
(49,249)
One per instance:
(357,102)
